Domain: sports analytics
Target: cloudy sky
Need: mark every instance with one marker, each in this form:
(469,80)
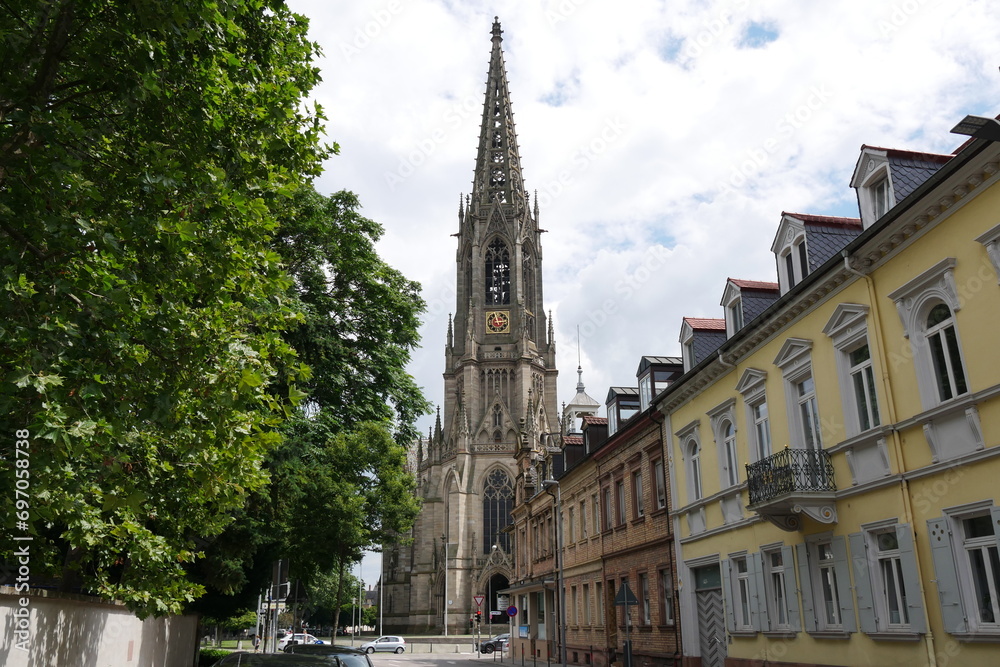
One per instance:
(664,139)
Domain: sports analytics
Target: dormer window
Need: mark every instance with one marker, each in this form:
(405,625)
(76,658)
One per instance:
(622,403)
(880,197)
(791,250)
(745,299)
(871,179)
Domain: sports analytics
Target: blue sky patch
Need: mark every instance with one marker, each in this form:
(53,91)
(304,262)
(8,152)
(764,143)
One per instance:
(756,35)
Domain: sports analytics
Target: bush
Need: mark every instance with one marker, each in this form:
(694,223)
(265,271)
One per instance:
(209,656)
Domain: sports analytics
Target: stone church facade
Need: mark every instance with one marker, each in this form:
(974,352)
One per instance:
(500,397)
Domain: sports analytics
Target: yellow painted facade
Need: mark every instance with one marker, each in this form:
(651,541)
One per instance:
(900,562)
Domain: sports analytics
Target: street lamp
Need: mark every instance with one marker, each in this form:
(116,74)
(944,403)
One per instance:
(548,484)
(979,127)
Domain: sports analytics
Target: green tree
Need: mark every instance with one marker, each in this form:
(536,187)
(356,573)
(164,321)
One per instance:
(343,454)
(145,150)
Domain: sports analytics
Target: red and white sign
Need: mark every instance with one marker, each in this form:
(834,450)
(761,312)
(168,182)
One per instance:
(479,599)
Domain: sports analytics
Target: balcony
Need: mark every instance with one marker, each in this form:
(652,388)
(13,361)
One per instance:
(790,483)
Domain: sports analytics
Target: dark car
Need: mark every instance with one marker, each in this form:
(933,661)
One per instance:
(343,655)
(241,659)
(494,643)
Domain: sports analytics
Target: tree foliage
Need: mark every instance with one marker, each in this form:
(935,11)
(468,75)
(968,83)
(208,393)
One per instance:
(145,149)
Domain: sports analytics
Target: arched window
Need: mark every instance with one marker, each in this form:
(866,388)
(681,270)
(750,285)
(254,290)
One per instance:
(498,499)
(528,280)
(731,469)
(497,274)
(942,341)
(694,470)
(497,416)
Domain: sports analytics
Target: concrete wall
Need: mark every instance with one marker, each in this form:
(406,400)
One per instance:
(76,630)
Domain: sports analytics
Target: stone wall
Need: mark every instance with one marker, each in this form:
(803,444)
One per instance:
(54,629)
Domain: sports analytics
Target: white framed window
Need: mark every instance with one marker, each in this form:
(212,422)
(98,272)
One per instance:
(666,597)
(741,579)
(826,585)
(965,546)
(687,346)
(881,197)
(583,519)
(781,600)
(660,482)
(848,329)
(946,356)
(694,470)
(599,595)
(586,604)
(752,387)
(800,392)
(886,579)
(872,179)
(571,526)
(724,429)
(927,307)
(791,252)
(690,446)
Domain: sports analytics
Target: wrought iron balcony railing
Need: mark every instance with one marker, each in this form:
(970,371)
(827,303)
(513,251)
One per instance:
(789,471)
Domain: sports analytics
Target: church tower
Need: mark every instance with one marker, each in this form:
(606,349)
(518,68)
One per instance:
(500,395)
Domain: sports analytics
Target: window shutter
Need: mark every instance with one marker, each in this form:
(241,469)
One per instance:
(946,575)
(863,582)
(758,605)
(911,578)
(842,569)
(727,594)
(791,595)
(805,589)
(758,608)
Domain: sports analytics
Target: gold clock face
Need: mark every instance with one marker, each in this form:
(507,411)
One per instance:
(497,321)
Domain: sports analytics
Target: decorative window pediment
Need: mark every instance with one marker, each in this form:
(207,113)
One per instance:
(751,381)
(872,179)
(936,283)
(794,352)
(789,248)
(848,320)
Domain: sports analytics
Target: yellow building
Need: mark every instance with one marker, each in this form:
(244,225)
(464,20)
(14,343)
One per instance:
(834,461)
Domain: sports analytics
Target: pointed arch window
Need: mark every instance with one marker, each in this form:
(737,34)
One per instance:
(497,274)
(528,280)
(498,499)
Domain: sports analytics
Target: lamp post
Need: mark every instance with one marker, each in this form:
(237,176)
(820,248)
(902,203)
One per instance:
(979,127)
(547,484)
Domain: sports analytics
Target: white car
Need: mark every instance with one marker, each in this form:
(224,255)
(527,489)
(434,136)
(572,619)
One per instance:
(385,643)
(297,638)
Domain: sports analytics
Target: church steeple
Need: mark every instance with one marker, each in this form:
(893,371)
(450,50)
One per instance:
(498,163)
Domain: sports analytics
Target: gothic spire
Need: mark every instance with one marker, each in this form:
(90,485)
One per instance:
(498,163)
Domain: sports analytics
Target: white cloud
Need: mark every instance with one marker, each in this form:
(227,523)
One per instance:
(654,125)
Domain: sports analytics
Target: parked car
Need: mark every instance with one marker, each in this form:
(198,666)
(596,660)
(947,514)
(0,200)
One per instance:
(297,638)
(494,643)
(346,656)
(385,643)
(242,659)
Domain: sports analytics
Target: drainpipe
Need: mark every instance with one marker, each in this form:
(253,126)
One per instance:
(897,447)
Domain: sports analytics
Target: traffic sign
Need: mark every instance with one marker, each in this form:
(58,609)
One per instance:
(479,599)
(625,596)
(512,611)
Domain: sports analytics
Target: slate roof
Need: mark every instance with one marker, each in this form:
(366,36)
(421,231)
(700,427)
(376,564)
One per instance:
(826,236)
(909,172)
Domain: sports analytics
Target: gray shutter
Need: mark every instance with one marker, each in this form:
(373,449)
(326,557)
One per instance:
(805,589)
(843,570)
(727,595)
(791,594)
(758,593)
(911,578)
(863,582)
(946,575)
